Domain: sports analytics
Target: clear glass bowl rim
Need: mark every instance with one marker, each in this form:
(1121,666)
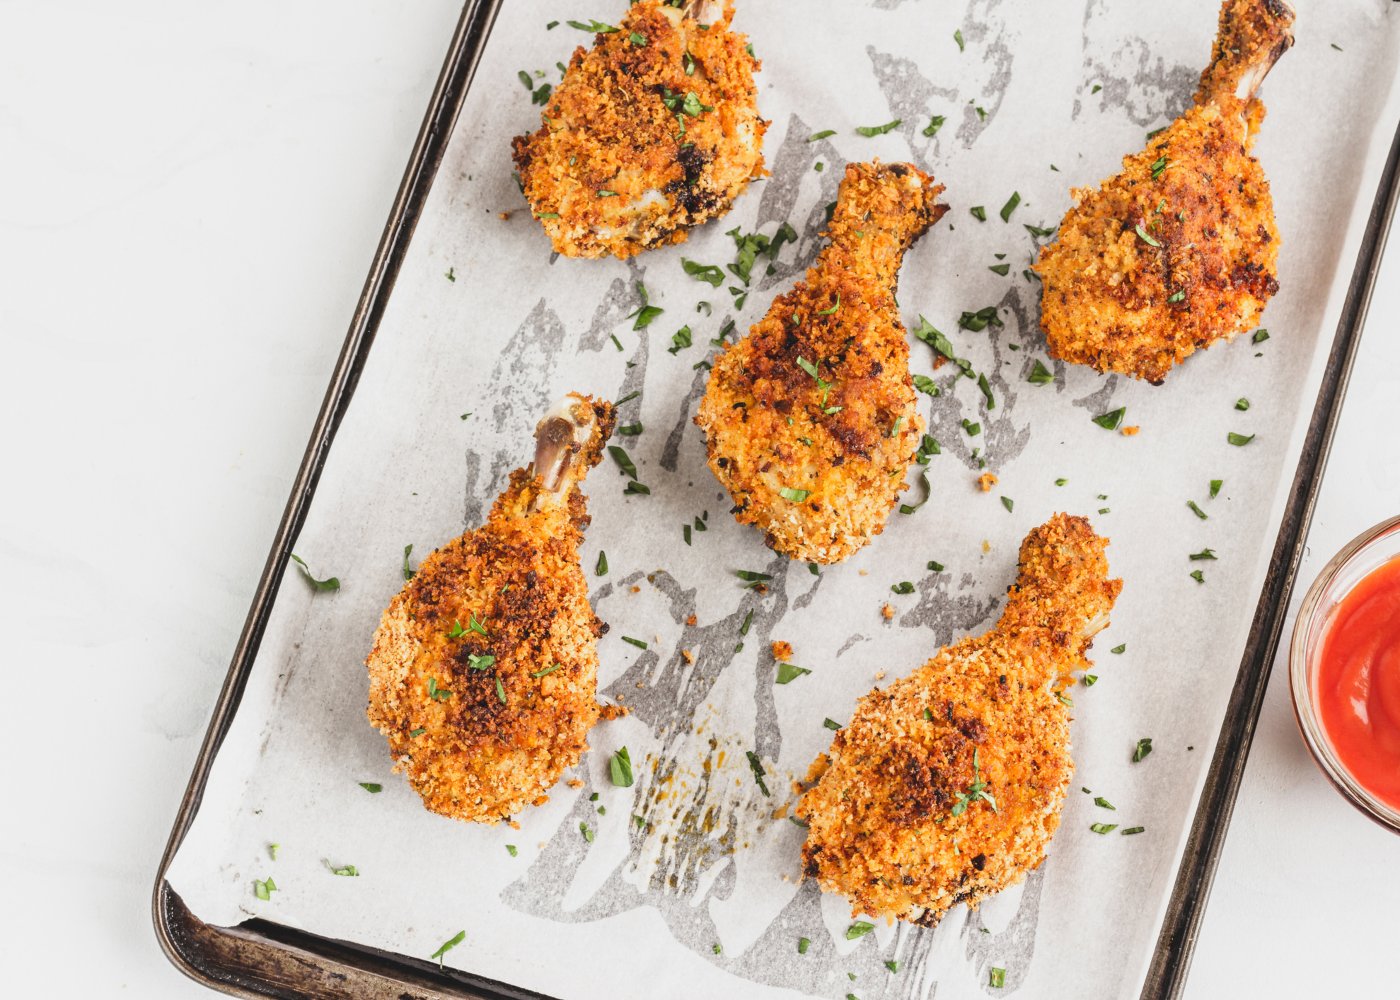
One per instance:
(1304,709)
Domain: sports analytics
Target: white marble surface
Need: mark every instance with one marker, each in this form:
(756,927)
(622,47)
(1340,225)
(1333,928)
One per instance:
(188,204)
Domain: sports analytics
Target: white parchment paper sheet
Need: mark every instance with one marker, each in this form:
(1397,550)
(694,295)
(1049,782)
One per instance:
(709,901)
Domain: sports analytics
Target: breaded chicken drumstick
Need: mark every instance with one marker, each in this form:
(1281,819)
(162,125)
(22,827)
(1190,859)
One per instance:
(652,131)
(1180,249)
(483,674)
(946,786)
(810,420)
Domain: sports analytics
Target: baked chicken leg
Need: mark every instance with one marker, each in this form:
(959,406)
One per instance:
(1180,249)
(483,674)
(946,786)
(652,131)
(810,420)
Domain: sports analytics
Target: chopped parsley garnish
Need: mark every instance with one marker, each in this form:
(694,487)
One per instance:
(408,571)
(635,642)
(1198,575)
(1008,503)
(831,724)
(957,37)
(870,130)
(455,939)
(751,577)
(977,790)
(1010,206)
(1195,509)
(512,850)
(796,496)
(414,734)
(834,306)
(1102,828)
(979,320)
(1103,803)
(637,38)
(630,430)
(825,133)
(757,767)
(802,945)
(1040,375)
(264,889)
(1090,679)
(859,929)
(328,584)
(935,123)
(587,832)
(1143,748)
(546,671)
(624,462)
(924,384)
(1260,335)
(620,768)
(596,27)
(1145,236)
(1001,269)
(979,213)
(1239,440)
(646,312)
(1158,166)
(440,694)
(1242,403)
(925,488)
(996,976)
(1109,421)
(710,273)
(892,964)
(972,429)
(601,569)
(986,391)
(936,567)
(1215,485)
(1203,554)
(679,340)
(1120,649)
(500,689)
(926,332)
(1061,482)
(788,672)
(903,587)
(347,871)
(1132,830)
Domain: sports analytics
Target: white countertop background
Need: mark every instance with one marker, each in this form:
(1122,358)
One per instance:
(189,201)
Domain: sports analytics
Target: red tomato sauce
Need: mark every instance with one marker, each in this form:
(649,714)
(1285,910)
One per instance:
(1358,682)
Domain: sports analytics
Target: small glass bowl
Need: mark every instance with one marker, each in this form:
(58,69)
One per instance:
(1358,558)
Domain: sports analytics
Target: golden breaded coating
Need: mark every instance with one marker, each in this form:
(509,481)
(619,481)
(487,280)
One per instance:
(652,131)
(1180,249)
(483,673)
(947,786)
(810,420)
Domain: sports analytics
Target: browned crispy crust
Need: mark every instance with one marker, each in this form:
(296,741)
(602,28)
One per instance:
(1180,249)
(881,812)
(469,754)
(770,425)
(607,128)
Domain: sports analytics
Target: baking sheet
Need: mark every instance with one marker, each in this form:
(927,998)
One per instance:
(299,744)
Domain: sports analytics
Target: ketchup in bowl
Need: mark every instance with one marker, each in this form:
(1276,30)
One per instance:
(1357,681)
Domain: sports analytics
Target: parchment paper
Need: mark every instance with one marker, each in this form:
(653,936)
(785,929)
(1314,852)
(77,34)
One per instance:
(709,901)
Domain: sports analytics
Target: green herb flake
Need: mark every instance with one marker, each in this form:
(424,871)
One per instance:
(788,672)
(1119,650)
(803,944)
(826,133)
(330,583)
(635,642)
(1090,679)
(1260,335)
(680,340)
(957,37)
(859,929)
(709,273)
(1239,440)
(263,890)
(1203,554)
(1196,509)
(1242,403)
(892,965)
(872,130)
(1145,236)
(451,942)
(415,733)
(1103,828)
(1040,375)
(1103,803)
(935,123)
(623,460)
(601,569)
(831,724)
(546,671)
(587,832)
(795,496)
(595,27)
(986,391)
(345,871)
(756,766)
(903,587)
(926,385)
(620,768)
(500,689)
(1198,575)
(1010,206)
(996,976)
(1132,830)
(1143,748)
(1008,503)
(637,38)
(1109,421)
(1215,485)
(1001,269)
(979,213)
(374,788)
